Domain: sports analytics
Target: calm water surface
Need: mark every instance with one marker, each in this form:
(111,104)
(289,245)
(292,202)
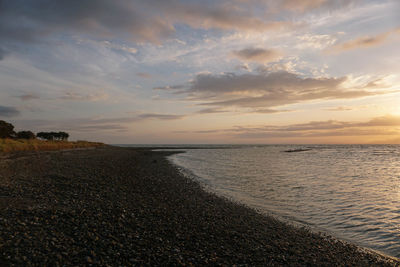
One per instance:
(350,191)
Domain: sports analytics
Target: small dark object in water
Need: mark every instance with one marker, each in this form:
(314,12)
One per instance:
(297,150)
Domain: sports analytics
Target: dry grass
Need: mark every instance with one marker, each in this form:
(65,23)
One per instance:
(12,145)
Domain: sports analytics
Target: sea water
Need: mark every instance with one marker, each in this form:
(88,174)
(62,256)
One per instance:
(350,191)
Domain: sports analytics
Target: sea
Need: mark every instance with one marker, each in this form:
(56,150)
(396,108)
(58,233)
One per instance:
(349,191)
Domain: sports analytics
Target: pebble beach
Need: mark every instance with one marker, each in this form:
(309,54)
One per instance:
(111,206)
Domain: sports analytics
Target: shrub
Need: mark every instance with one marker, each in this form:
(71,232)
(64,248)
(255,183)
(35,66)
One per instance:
(26,135)
(6,130)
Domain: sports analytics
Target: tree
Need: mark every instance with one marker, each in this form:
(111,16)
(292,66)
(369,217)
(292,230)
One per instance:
(26,135)
(6,130)
(61,136)
(64,136)
(44,135)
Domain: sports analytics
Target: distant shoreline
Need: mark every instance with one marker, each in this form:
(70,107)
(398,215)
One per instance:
(130,206)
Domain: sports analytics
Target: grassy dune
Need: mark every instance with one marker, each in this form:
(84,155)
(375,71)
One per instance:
(13,145)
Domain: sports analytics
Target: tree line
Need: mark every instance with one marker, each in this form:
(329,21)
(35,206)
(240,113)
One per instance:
(7,131)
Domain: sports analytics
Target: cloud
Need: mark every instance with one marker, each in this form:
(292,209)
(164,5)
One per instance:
(364,41)
(258,55)
(153,21)
(257,110)
(144,75)
(315,41)
(265,91)
(95,124)
(226,16)
(2,53)
(133,118)
(31,20)
(270,83)
(339,109)
(96,128)
(303,5)
(26,97)
(159,116)
(6,111)
(170,87)
(119,47)
(384,125)
(244,67)
(297,6)
(383,121)
(210,111)
(269,111)
(88,97)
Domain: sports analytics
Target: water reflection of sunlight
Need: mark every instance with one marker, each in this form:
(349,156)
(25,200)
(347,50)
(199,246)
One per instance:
(357,196)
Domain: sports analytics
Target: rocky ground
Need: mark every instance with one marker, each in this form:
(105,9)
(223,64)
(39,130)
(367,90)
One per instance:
(120,206)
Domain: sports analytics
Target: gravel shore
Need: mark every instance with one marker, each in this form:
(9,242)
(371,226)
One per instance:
(120,206)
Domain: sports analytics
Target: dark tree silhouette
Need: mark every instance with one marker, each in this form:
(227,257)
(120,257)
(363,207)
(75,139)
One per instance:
(26,135)
(6,130)
(64,136)
(54,135)
(44,135)
(61,136)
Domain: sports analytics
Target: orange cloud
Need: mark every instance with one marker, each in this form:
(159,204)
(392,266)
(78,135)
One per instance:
(364,41)
(303,5)
(384,127)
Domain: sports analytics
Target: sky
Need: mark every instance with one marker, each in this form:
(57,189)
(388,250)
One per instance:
(203,72)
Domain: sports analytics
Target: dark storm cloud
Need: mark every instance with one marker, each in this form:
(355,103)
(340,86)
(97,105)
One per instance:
(6,111)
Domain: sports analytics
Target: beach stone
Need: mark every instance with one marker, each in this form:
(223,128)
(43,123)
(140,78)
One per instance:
(115,206)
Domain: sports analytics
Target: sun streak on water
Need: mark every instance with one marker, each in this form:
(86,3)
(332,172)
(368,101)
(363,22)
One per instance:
(351,191)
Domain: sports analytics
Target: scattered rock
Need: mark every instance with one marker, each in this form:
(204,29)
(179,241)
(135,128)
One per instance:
(120,206)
